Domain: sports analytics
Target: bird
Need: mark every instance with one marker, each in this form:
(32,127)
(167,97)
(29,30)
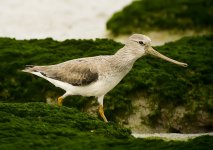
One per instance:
(96,76)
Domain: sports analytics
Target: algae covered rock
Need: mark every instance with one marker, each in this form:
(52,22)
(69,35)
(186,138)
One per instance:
(41,126)
(149,15)
(33,125)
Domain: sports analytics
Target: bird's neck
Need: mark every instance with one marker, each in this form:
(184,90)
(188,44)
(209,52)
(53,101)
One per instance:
(126,55)
(123,60)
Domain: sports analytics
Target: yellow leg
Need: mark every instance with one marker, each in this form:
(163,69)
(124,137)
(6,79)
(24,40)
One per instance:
(60,101)
(101,111)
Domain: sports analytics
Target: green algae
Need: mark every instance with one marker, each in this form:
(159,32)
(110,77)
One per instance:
(149,15)
(40,126)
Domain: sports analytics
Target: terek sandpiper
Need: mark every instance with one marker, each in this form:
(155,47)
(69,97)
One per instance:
(96,76)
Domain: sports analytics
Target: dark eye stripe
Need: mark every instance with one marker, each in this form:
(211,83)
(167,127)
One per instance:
(141,42)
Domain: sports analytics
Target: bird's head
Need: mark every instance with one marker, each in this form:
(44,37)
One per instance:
(140,45)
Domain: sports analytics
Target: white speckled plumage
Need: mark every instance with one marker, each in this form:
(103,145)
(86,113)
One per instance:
(96,76)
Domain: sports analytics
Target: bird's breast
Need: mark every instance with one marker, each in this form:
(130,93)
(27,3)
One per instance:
(107,80)
(102,86)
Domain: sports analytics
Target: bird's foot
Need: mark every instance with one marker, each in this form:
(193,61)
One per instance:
(101,111)
(60,101)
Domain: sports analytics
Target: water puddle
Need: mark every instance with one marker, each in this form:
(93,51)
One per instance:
(171,136)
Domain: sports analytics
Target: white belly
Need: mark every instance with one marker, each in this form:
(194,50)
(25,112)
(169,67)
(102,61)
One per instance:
(98,88)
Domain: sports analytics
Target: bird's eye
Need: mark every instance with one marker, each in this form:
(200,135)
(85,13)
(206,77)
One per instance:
(141,42)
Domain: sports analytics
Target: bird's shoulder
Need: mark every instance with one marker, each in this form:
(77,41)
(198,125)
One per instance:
(93,63)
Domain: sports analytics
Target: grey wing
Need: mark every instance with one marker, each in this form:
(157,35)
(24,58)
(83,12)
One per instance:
(76,72)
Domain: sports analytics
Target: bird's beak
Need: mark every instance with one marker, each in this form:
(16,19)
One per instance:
(155,53)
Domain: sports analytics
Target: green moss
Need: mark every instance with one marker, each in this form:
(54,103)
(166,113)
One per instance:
(162,82)
(14,55)
(146,15)
(37,125)
(40,126)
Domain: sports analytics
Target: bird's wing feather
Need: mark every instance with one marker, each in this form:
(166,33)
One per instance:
(78,72)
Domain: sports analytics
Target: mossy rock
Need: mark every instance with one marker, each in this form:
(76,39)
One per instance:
(41,126)
(149,15)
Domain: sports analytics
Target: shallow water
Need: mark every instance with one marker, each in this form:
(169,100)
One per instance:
(171,136)
(59,19)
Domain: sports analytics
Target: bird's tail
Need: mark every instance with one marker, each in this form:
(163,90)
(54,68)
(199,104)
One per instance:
(28,68)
